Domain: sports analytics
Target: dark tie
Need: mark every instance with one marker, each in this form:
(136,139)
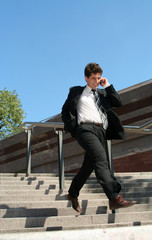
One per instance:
(102,113)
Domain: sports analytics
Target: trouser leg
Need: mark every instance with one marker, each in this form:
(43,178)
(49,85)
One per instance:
(92,140)
(83,174)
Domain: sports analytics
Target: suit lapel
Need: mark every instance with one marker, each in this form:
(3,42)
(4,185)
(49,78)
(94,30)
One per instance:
(77,93)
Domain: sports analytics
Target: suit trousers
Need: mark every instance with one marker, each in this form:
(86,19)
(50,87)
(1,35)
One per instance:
(92,139)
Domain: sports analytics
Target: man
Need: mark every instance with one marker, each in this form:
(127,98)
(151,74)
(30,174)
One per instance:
(89,116)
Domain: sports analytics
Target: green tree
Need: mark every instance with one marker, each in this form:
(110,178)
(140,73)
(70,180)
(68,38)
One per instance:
(11,113)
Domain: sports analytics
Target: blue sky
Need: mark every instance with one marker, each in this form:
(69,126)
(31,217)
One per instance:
(45,46)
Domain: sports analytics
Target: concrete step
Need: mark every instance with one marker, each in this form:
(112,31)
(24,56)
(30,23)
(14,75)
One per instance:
(36,233)
(34,177)
(97,189)
(68,210)
(35,203)
(64,203)
(101,226)
(52,196)
(50,178)
(46,197)
(14,175)
(23,186)
(69,174)
(62,221)
(31,179)
(55,184)
(52,204)
(45,191)
(62,196)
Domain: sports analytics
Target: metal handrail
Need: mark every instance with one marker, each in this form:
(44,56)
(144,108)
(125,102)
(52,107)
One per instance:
(140,129)
(59,128)
(29,125)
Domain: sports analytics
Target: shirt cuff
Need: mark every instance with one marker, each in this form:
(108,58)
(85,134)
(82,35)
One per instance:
(106,85)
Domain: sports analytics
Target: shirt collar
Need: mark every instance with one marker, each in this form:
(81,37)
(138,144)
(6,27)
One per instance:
(88,89)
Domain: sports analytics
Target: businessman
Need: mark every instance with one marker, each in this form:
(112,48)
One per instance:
(89,116)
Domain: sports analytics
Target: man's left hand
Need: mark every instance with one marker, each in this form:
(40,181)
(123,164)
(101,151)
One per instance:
(103,82)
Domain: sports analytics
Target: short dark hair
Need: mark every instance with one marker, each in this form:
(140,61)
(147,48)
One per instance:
(92,68)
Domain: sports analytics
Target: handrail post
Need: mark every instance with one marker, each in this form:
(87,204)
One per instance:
(60,158)
(28,149)
(110,156)
(109,152)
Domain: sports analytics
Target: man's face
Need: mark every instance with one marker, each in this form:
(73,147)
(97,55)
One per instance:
(94,80)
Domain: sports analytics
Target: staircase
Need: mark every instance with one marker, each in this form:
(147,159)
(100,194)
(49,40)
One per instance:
(35,203)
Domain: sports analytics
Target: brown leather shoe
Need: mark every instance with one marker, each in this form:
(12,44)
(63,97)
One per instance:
(119,202)
(75,203)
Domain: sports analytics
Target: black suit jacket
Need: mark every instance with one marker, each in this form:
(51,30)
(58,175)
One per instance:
(109,99)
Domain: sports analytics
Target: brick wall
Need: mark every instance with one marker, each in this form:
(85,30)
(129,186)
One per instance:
(138,162)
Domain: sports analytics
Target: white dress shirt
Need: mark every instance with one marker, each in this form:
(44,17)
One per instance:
(86,108)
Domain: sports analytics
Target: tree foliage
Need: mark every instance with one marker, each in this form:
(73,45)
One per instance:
(11,113)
